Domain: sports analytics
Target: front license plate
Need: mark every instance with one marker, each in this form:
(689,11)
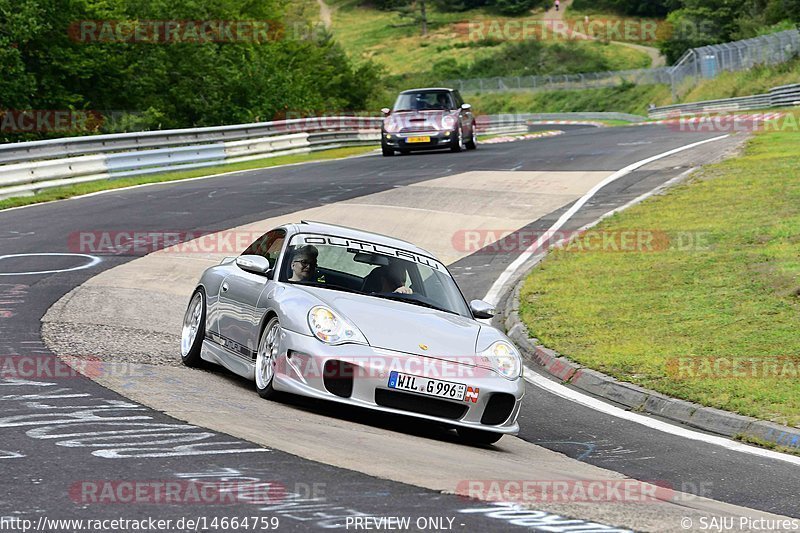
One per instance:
(427,386)
(418,140)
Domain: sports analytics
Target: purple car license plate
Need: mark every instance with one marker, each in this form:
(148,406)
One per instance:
(427,386)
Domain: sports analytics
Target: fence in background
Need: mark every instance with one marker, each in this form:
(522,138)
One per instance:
(698,63)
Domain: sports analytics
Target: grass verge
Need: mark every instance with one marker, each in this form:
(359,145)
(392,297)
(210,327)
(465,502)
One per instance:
(724,287)
(628,98)
(60,193)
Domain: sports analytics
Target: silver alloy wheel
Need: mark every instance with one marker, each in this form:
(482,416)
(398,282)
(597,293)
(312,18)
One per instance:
(267,355)
(191,323)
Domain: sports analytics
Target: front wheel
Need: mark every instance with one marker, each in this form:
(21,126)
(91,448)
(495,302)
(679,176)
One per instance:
(478,436)
(472,143)
(455,144)
(266,359)
(386,151)
(194,330)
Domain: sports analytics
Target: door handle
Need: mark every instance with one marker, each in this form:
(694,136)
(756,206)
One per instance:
(225,286)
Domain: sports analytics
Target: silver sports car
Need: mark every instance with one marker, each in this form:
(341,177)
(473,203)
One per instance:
(358,318)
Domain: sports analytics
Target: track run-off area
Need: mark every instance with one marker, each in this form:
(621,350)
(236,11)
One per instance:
(140,416)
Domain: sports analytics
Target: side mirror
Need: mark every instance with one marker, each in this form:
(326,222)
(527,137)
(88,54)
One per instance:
(254,264)
(385,111)
(466,107)
(481,309)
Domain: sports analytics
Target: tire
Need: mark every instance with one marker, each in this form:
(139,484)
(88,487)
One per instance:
(266,359)
(455,144)
(194,330)
(386,151)
(472,143)
(478,436)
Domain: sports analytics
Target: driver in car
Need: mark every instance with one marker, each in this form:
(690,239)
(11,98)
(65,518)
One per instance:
(393,279)
(304,263)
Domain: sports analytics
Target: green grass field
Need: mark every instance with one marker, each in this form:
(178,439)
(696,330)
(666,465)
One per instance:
(393,41)
(60,193)
(635,315)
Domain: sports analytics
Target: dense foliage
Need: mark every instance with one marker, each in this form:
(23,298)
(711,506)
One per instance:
(505,7)
(172,84)
(693,23)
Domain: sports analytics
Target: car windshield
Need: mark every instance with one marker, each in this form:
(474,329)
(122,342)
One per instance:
(423,100)
(371,269)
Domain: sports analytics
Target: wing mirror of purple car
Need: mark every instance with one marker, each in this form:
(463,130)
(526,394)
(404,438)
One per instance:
(466,107)
(255,264)
(385,111)
(481,309)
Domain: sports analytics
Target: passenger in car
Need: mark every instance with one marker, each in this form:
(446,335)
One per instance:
(304,263)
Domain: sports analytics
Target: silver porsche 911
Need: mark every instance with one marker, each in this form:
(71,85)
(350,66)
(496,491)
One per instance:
(359,318)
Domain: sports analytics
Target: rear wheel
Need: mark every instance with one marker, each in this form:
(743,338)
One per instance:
(194,330)
(478,436)
(266,359)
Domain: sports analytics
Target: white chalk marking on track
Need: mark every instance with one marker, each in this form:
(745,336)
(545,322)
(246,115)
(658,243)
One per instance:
(570,394)
(511,270)
(92,262)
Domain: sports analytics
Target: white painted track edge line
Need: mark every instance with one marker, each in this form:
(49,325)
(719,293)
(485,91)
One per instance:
(562,391)
(508,274)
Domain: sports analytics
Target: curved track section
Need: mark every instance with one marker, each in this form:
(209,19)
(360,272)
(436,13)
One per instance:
(361,464)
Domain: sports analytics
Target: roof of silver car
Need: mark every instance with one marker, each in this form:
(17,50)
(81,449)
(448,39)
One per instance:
(323,228)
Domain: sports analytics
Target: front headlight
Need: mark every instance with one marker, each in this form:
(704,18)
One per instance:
(504,358)
(331,328)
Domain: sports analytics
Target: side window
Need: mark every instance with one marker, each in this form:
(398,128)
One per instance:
(268,245)
(459,100)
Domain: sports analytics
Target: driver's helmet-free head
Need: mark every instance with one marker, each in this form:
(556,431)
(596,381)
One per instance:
(307,253)
(395,273)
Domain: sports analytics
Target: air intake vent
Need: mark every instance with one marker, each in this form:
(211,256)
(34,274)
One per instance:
(498,409)
(338,378)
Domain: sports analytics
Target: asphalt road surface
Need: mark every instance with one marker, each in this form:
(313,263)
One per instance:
(57,438)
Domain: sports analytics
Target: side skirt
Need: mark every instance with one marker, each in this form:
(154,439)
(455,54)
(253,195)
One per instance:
(215,353)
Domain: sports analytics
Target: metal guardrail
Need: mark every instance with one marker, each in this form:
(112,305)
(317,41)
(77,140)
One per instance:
(26,151)
(784,96)
(40,165)
(697,63)
(29,167)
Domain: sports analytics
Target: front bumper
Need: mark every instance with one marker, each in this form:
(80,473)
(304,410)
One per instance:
(400,141)
(304,362)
